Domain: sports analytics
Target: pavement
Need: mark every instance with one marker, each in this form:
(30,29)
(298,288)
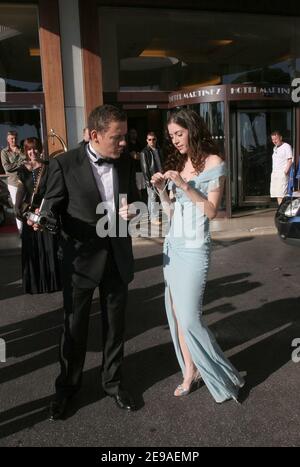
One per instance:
(245,224)
(252,307)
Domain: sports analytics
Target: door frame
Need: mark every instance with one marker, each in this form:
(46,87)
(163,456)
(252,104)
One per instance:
(252,200)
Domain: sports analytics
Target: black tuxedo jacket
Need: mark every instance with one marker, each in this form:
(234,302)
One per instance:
(72,194)
(148,163)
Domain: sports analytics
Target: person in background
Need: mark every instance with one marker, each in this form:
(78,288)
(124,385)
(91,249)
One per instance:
(12,158)
(134,148)
(40,265)
(151,162)
(85,136)
(282,160)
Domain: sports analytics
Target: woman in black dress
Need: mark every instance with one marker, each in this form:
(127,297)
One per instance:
(40,264)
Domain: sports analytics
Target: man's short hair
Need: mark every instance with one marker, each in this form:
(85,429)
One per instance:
(12,133)
(101,117)
(151,133)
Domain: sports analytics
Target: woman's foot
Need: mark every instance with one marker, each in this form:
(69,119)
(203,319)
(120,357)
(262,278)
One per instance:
(188,385)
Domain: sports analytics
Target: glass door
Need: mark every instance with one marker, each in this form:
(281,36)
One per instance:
(254,151)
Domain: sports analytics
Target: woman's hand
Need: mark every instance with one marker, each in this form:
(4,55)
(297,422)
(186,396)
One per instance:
(176,178)
(159,181)
(36,227)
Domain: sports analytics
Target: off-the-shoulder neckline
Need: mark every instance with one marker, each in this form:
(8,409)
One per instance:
(205,171)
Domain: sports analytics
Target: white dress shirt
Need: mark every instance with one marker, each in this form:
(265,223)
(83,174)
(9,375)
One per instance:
(106,180)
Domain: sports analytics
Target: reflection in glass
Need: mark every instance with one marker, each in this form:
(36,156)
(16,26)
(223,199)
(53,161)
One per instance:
(213,115)
(255,158)
(20,66)
(167,50)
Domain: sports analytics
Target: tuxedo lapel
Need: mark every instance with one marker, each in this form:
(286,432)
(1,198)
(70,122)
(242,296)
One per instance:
(85,177)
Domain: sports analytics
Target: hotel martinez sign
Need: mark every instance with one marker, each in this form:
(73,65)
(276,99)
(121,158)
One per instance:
(230,92)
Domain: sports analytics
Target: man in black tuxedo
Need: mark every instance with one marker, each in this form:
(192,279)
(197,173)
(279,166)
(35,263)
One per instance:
(78,181)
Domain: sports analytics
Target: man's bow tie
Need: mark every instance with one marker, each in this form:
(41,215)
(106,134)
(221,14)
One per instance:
(102,160)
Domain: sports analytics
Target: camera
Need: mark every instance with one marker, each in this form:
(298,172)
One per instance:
(44,219)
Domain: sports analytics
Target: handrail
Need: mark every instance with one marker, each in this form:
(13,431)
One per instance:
(53,135)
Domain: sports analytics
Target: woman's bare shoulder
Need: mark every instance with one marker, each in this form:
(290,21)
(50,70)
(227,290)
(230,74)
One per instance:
(212,161)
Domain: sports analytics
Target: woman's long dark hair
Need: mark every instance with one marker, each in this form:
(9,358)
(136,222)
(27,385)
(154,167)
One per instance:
(201,143)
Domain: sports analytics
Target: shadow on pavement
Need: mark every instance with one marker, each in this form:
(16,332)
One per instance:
(141,264)
(228,286)
(226,243)
(141,373)
(26,415)
(11,277)
(143,369)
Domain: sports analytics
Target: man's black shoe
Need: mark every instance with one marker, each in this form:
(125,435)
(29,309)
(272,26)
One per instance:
(58,408)
(123,400)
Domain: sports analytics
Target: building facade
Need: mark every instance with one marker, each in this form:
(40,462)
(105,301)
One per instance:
(234,63)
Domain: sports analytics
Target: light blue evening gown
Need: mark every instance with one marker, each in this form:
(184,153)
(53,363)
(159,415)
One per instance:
(186,263)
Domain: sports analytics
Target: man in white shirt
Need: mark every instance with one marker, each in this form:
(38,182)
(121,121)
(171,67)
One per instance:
(282,161)
(12,158)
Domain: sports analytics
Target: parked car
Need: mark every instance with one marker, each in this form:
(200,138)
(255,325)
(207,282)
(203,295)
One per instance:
(287,219)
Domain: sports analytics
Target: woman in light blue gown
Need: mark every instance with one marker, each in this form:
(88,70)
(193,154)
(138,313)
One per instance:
(196,175)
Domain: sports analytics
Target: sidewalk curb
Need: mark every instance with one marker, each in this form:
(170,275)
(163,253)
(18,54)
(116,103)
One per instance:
(255,232)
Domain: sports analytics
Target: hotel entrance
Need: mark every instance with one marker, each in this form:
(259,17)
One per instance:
(241,119)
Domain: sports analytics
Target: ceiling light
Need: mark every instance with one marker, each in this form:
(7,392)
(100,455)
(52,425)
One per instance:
(154,53)
(34,52)
(221,41)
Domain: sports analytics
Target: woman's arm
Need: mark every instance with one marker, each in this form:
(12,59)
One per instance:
(8,166)
(159,182)
(209,205)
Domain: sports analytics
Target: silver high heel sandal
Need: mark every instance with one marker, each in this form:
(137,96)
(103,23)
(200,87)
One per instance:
(182,391)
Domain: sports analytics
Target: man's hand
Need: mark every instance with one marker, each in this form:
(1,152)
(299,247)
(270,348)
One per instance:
(124,211)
